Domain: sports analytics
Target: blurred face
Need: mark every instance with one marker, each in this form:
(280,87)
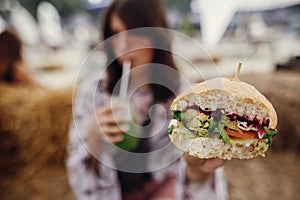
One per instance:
(128,46)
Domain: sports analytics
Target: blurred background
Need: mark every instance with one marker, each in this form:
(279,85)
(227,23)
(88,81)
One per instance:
(58,35)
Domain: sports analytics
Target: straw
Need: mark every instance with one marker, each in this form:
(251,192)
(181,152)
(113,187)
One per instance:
(125,79)
(238,71)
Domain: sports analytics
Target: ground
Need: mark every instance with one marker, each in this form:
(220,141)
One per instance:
(33,139)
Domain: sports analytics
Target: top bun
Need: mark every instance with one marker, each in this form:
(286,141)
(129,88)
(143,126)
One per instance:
(234,96)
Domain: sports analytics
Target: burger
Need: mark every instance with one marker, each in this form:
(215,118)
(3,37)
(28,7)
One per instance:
(222,118)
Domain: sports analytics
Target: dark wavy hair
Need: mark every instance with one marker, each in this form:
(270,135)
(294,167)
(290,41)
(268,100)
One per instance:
(10,52)
(139,14)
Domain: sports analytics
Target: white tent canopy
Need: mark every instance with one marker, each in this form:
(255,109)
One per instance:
(2,24)
(215,15)
(25,25)
(50,25)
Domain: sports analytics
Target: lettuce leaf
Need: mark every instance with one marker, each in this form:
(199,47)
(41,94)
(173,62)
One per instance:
(218,126)
(269,134)
(170,129)
(177,115)
(206,125)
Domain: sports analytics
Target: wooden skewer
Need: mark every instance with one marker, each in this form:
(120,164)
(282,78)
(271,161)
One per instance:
(238,72)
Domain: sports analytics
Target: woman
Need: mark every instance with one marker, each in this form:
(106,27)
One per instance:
(12,69)
(102,172)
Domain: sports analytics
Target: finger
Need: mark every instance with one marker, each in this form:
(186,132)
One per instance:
(193,161)
(112,120)
(218,162)
(196,174)
(210,165)
(106,109)
(115,138)
(215,162)
(114,130)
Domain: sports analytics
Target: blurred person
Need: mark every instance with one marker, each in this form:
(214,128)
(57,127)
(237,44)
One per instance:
(92,178)
(12,66)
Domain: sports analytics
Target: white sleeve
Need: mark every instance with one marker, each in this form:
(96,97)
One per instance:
(82,177)
(214,188)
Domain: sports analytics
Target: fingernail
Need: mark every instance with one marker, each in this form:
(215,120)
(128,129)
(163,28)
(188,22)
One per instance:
(125,128)
(120,138)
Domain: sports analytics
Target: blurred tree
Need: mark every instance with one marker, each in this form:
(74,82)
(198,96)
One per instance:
(181,5)
(64,7)
(184,7)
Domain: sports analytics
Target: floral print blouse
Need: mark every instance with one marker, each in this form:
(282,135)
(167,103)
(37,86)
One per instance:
(164,159)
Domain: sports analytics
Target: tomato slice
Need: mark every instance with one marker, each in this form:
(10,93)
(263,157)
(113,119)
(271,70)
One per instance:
(245,134)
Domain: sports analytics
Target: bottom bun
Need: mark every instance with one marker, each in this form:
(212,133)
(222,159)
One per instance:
(215,148)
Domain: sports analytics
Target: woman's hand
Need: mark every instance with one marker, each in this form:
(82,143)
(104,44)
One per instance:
(109,126)
(112,122)
(198,170)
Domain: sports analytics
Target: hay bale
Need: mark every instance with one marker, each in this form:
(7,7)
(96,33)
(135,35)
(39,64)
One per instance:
(33,133)
(44,126)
